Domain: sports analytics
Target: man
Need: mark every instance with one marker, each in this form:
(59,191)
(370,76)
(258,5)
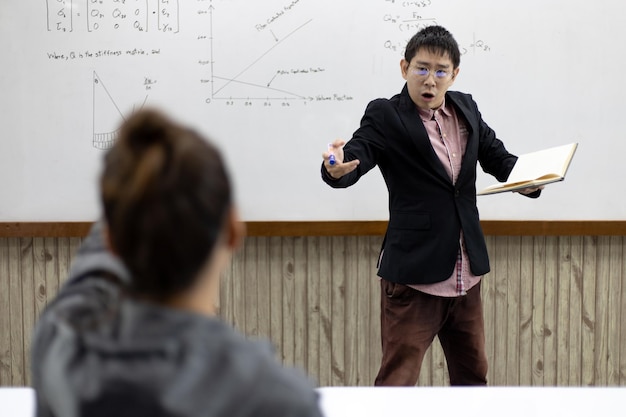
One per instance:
(426,142)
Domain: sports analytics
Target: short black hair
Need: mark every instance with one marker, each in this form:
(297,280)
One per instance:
(435,39)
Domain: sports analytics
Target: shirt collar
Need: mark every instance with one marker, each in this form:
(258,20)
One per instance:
(441,110)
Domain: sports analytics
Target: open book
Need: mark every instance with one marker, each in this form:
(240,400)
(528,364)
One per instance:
(536,168)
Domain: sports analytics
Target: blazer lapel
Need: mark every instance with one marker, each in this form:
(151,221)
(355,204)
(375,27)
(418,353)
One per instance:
(471,150)
(416,130)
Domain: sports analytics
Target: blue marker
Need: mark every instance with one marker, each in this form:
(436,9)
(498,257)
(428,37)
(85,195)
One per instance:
(331,157)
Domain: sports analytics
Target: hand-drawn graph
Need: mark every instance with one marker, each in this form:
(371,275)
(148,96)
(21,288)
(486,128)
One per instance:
(270,73)
(107,115)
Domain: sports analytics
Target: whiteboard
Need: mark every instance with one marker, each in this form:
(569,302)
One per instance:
(273,81)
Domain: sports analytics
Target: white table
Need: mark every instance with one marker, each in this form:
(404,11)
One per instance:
(17,402)
(472,401)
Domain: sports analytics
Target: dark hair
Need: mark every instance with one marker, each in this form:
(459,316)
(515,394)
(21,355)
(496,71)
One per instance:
(435,39)
(166,194)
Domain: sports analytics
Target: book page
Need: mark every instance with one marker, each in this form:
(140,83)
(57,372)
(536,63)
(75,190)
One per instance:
(499,188)
(534,165)
(536,169)
(546,179)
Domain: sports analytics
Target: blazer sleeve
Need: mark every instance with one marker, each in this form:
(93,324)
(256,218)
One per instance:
(492,154)
(367,144)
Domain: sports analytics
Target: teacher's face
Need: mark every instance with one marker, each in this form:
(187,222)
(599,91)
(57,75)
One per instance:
(428,77)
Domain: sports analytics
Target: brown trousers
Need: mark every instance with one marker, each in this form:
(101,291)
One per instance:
(411,319)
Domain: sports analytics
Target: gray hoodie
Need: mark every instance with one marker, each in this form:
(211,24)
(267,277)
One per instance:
(98,352)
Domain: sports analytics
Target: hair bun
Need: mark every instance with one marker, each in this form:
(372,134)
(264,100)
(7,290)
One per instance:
(146,128)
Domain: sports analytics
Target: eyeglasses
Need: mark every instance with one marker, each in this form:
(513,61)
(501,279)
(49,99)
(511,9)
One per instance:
(425,72)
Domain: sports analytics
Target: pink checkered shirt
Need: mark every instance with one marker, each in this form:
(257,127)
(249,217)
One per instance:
(448,136)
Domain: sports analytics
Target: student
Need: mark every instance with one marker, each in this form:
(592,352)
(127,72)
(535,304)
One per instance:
(136,333)
(427,142)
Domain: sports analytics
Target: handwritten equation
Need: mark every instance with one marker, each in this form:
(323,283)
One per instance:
(408,17)
(103,15)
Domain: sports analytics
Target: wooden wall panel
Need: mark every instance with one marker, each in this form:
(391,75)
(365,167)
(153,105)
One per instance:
(575,321)
(526,311)
(614,302)
(5,316)
(555,310)
(589,310)
(16,313)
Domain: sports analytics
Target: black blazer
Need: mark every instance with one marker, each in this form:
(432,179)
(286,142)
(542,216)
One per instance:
(426,211)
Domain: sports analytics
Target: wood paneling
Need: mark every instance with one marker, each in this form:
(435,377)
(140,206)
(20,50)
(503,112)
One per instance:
(554,305)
